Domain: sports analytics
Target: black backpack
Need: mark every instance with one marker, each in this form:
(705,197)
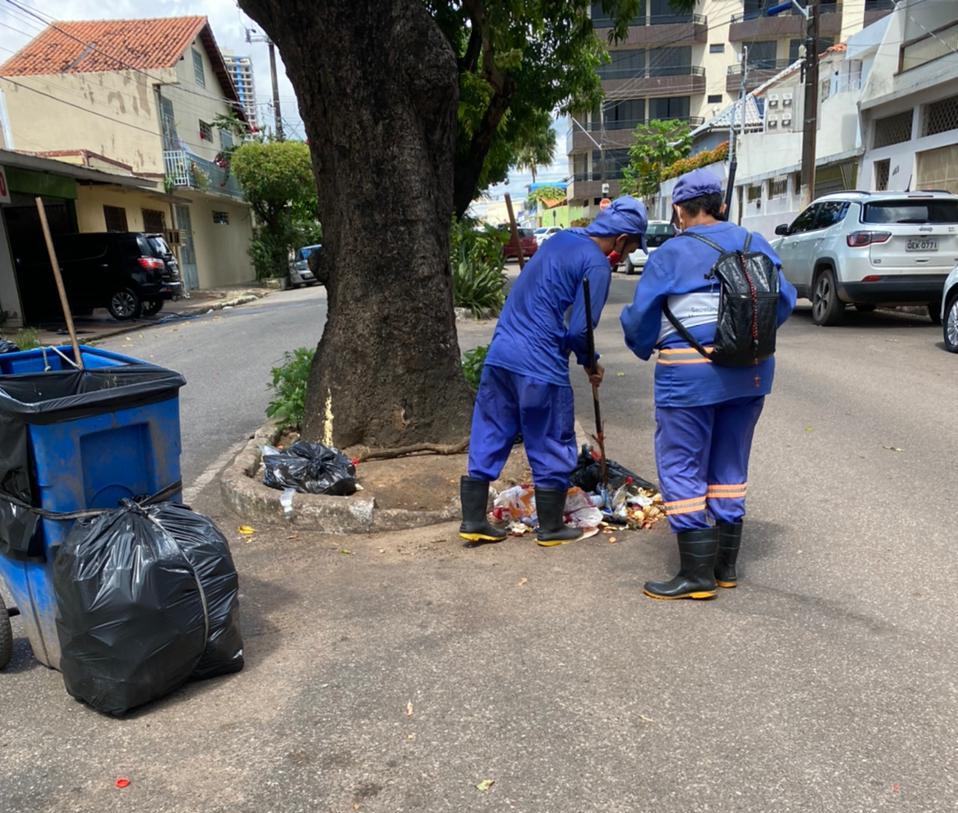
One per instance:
(747,310)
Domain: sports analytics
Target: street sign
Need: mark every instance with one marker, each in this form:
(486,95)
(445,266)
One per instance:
(4,189)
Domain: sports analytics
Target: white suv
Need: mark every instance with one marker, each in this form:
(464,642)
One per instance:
(869,249)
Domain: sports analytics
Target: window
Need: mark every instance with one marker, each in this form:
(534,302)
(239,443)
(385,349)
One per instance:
(198,73)
(624,115)
(600,19)
(777,188)
(925,45)
(624,65)
(662,13)
(882,171)
(762,54)
(672,107)
(154,221)
(940,117)
(753,9)
(115,217)
(717,48)
(715,98)
(893,129)
(831,213)
(805,221)
(206,131)
(911,211)
(794,50)
(221,218)
(615,161)
(754,193)
(670,62)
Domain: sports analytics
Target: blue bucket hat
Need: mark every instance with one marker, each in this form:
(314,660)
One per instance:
(695,184)
(625,215)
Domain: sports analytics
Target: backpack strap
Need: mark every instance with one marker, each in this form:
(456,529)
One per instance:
(702,239)
(748,243)
(683,331)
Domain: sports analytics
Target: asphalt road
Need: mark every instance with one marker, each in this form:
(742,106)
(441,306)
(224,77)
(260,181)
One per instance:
(226,357)
(395,673)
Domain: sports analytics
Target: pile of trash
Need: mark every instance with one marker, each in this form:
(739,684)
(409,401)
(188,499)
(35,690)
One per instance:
(631,502)
(309,468)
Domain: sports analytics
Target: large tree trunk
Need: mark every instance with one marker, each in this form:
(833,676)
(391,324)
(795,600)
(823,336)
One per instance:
(377,87)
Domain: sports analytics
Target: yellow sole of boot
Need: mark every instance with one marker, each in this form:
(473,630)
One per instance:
(481,538)
(700,594)
(554,543)
(727,585)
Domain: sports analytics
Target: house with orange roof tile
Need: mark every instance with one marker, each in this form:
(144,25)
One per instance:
(137,98)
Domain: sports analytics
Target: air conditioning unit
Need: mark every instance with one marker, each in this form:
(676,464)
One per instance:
(786,100)
(787,122)
(772,124)
(773,100)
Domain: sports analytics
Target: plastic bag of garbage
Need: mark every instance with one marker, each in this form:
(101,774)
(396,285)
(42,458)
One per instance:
(147,598)
(517,504)
(6,346)
(588,473)
(310,468)
(580,511)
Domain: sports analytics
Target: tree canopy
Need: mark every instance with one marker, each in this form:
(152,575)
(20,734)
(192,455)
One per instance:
(657,145)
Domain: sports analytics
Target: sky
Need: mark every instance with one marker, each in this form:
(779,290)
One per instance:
(229,25)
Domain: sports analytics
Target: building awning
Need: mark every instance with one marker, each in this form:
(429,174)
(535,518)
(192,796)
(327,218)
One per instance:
(33,163)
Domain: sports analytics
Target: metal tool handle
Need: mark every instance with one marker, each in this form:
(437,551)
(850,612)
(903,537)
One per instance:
(590,348)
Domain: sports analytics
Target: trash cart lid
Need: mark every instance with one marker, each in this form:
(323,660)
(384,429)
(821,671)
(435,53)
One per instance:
(60,395)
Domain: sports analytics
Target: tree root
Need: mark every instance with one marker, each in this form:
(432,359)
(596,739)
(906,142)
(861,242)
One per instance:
(400,451)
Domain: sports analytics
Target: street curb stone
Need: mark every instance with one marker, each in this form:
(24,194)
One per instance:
(246,494)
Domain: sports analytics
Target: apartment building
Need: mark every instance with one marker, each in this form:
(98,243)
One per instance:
(688,67)
(142,96)
(241,71)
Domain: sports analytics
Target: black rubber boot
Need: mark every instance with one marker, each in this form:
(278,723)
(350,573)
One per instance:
(550,507)
(475,527)
(729,541)
(696,576)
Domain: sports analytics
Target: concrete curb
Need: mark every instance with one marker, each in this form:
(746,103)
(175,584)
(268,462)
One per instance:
(246,494)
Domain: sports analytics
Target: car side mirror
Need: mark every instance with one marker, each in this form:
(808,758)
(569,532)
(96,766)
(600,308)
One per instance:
(783,230)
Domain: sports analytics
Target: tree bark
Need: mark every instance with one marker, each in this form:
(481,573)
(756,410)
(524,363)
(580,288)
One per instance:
(377,87)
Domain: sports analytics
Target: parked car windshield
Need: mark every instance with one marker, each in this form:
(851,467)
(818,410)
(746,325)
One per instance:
(911,211)
(303,253)
(658,233)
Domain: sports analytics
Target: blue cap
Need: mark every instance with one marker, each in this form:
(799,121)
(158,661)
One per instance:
(695,184)
(625,215)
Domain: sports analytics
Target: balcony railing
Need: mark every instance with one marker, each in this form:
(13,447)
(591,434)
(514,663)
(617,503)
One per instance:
(609,72)
(764,66)
(655,19)
(755,13)
(185,170)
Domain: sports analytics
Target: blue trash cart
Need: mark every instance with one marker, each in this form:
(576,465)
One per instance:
(71,441)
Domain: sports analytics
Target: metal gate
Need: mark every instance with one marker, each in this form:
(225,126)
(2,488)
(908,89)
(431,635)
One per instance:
(191,279)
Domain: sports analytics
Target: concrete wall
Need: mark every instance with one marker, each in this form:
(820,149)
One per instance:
(113,114)
(92,199)
(222,251)
(9,296)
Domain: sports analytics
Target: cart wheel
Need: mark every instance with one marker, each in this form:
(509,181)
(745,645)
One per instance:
(6,636)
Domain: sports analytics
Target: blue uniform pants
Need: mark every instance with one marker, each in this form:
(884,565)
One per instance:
(702,456)
(508,403)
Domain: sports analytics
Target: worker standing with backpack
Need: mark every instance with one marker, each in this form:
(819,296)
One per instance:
(710,301)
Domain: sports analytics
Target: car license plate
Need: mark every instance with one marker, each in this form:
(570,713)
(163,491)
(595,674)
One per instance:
(922,244)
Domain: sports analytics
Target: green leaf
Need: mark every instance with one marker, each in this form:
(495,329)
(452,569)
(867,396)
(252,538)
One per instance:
(485,784)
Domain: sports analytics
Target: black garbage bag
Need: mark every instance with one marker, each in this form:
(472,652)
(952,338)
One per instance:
(147,598)
(6,346)
(310,468)
(588,474)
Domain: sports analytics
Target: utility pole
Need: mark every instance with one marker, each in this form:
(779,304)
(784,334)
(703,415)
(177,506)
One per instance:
(732,154)
(810,12)
(251,37)
(810,109)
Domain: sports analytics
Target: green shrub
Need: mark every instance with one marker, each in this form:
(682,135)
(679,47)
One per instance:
(288,406)
(26,338)
(476,257)
(472,363)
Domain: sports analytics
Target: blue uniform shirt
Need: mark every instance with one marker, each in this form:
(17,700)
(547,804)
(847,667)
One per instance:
(533,337)
(683,378)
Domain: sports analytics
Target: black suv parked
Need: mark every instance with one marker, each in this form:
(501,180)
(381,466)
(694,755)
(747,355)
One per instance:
(128,273)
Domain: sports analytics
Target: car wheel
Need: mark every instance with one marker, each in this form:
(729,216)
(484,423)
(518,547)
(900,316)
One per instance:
(125,304)
(6,636)
(827,308)
(151,307)
(950,328)
(934,312)
(864,307)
